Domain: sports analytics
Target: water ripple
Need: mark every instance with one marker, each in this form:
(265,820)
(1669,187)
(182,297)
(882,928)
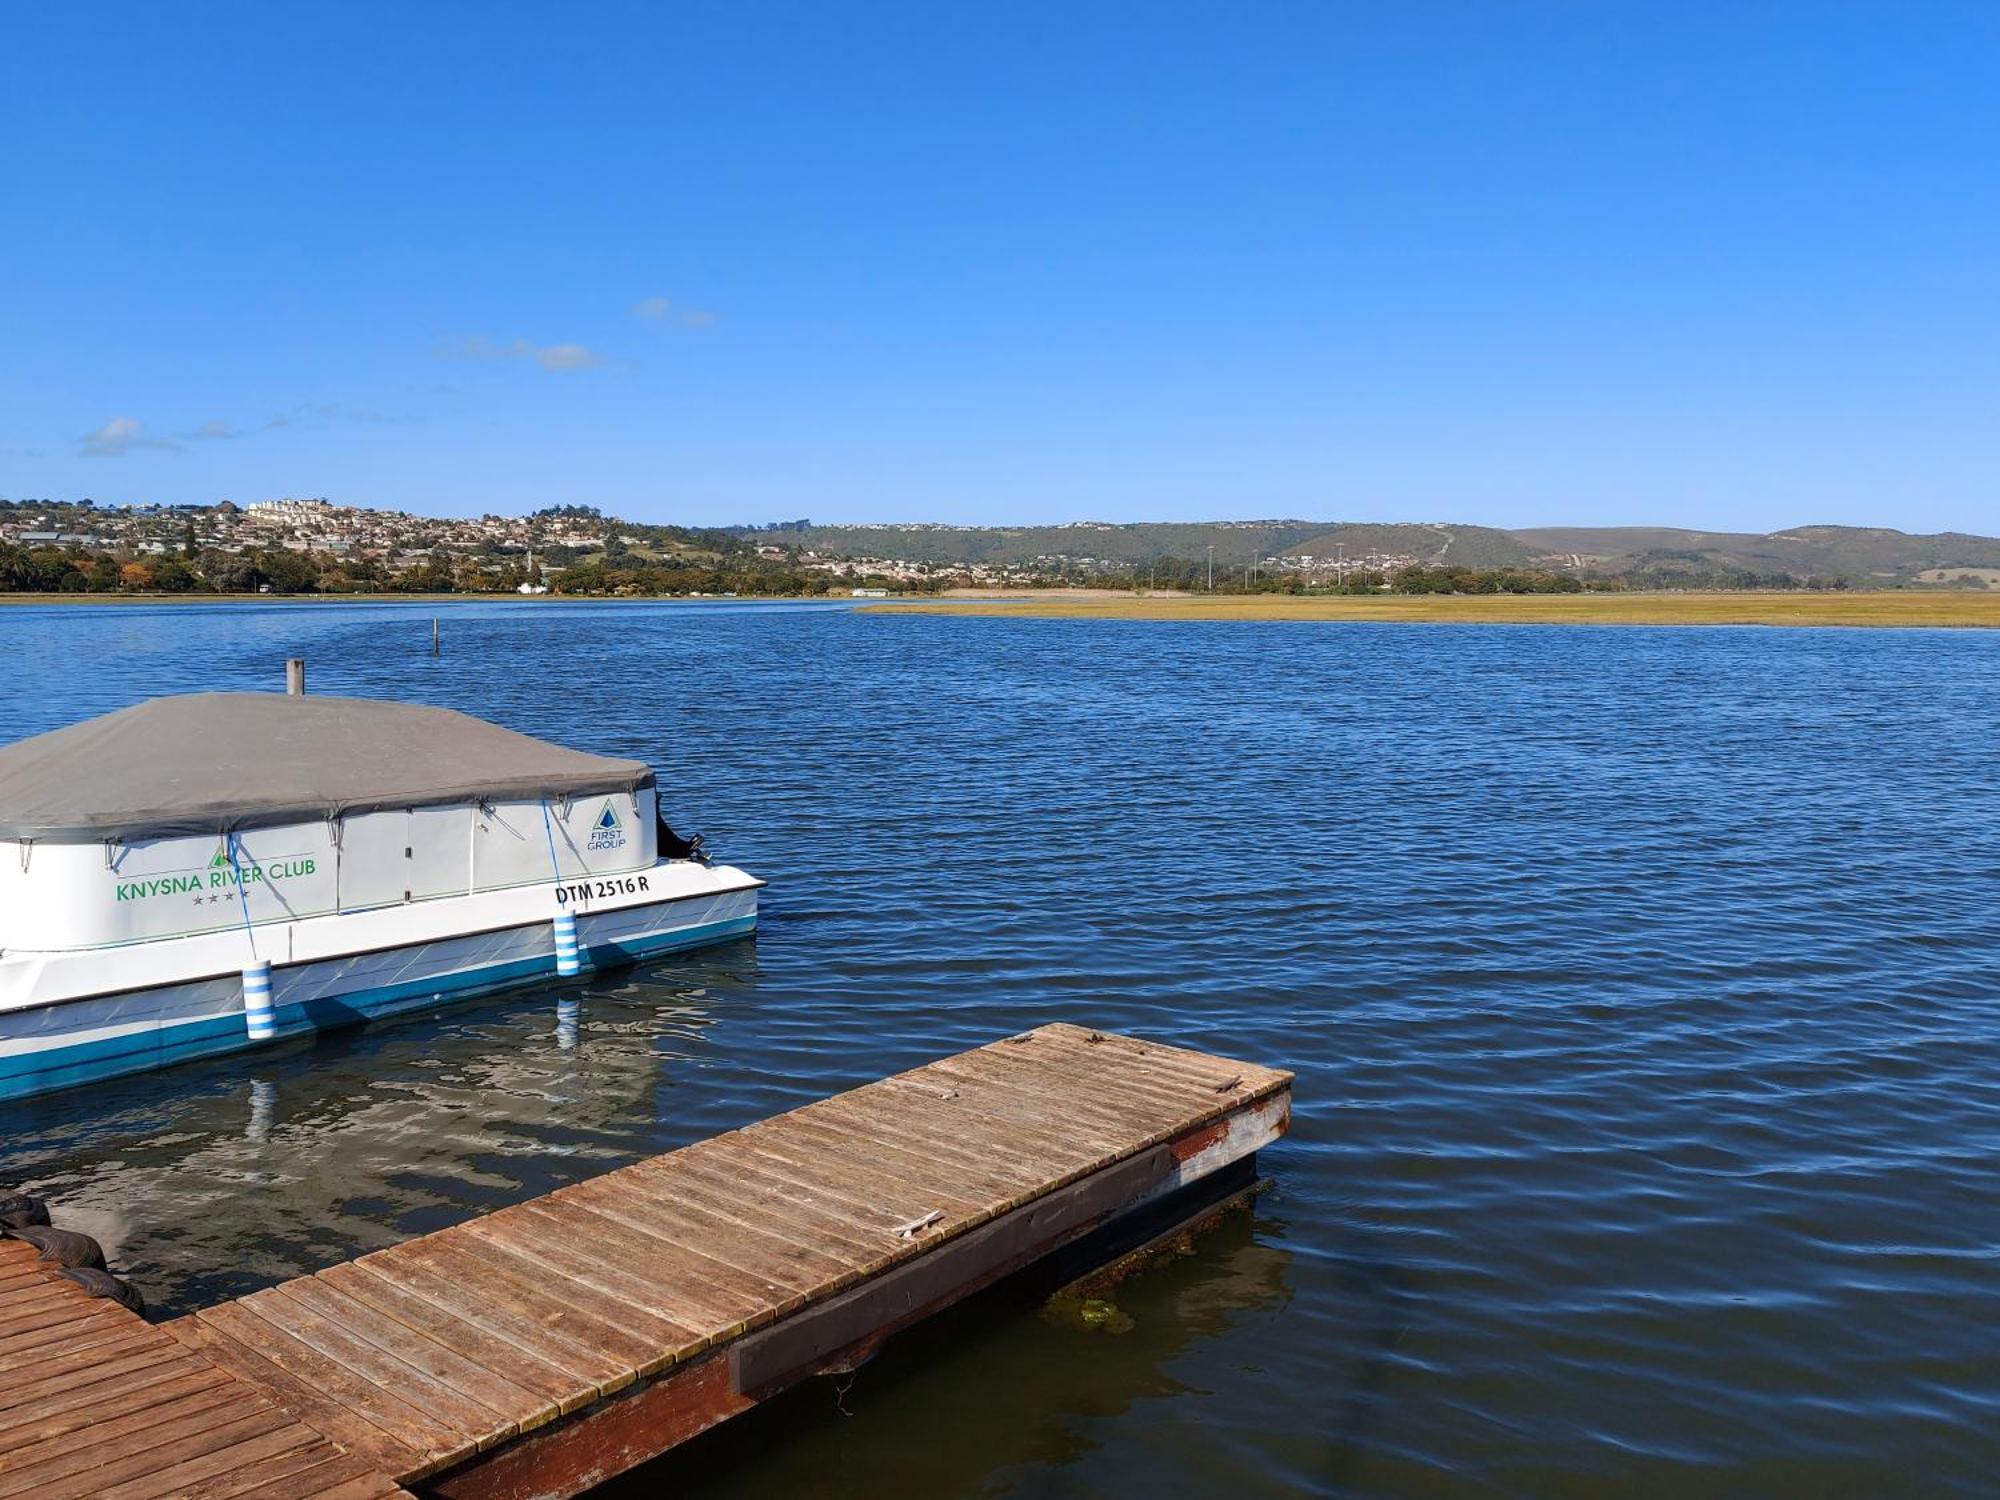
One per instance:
(1640,985)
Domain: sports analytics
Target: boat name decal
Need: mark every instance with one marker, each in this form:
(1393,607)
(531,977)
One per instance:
(214,879)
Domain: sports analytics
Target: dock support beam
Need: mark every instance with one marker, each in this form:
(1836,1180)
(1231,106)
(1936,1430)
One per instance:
(295,677)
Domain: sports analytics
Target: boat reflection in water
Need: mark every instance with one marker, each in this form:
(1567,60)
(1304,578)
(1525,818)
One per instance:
(204,1183)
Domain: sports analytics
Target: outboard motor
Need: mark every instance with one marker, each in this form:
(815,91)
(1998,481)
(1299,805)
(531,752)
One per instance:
(673,846)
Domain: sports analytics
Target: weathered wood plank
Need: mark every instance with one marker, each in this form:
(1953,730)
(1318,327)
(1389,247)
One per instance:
(761,1200)
(1126,1095)
(48,1307)
(867,1187)
(545,1333)
(980,1183)
(80,1407)
(705,1181)
(20,1276)
(697,1269)
(376,1423)
(565,1249)
(524,1369)
(368,1487)
(447,1366)
(82,1332)
(1119,1108)
(337,1478)
(230,1472)
(769,1252)
(944,1130)
(543,1276)
(296,1393)
(1101,1127)
(355,1363)
(92,1468)
(32,1464)
(54,1376)
(1147,1061)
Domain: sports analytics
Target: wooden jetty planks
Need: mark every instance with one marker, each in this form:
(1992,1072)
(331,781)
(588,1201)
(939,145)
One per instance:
(94,1401)
(534,1388)
(547,1346)
(294,1387)
(395,1409)
(1223,1115)
(567,1301)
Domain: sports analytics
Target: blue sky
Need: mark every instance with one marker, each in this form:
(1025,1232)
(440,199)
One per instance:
(1727,266)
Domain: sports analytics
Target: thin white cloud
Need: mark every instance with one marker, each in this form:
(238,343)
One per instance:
(548,356)
(118,437)
(660,310)
(561,356)
(305,414)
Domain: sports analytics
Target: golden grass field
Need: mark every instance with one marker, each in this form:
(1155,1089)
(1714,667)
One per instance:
(1904,608)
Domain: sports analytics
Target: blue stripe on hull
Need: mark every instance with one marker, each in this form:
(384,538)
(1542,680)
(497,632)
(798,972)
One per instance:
(27,1074)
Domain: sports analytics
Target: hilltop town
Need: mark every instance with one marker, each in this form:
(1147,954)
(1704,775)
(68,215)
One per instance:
(312,545)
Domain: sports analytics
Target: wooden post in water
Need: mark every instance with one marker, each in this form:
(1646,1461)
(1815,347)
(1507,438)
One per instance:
(434,635)
(295,676)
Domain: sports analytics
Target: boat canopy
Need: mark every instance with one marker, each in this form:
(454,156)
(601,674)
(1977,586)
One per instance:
(224,762)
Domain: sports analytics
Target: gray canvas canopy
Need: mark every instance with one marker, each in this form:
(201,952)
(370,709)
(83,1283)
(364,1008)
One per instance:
(222,762)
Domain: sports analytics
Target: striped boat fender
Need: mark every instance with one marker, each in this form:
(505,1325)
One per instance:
(569,958)
(260,1017)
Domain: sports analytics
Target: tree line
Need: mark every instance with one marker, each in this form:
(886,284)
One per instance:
(278,570)
(732,568)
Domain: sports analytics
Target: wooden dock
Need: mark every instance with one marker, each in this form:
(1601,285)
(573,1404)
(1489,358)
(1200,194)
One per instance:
(542,1349)
(95,1401)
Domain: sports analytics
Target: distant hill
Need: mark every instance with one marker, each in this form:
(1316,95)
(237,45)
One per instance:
(1861,555)
(1235,542)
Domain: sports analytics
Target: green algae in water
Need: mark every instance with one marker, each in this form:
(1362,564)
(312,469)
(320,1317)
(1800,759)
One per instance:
(1087,1314)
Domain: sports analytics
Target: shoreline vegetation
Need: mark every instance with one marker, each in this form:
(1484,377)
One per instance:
(1905,608)
(1899,607)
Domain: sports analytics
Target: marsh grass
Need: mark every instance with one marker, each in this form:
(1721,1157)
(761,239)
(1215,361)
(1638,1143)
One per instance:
(1955,608)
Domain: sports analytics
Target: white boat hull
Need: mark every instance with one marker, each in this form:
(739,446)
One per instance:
(72,1018)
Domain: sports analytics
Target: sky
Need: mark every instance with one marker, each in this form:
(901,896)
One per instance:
(1722,266)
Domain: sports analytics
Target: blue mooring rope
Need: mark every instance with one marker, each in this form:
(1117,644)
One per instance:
(555,868)
(242,895)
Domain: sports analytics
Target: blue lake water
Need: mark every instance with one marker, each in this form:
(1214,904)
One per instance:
(1643,987)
